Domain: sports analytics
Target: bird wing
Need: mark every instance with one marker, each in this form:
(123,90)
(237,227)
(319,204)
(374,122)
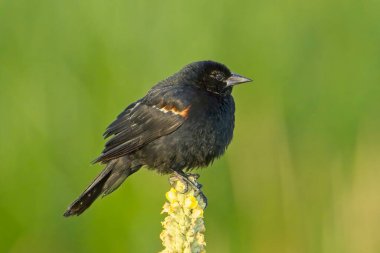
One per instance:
(139,124)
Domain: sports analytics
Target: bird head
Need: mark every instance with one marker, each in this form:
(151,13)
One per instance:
(212,76)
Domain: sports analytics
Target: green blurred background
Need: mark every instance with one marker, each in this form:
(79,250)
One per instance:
(302,173)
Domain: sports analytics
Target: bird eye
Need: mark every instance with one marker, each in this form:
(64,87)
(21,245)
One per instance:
(218,76)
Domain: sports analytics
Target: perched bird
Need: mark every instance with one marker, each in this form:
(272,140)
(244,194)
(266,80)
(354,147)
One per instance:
(183,123)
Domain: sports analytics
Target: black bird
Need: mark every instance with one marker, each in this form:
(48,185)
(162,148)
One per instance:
(184,122)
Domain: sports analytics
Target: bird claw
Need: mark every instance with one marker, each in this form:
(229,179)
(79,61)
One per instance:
(194,175)
(188,180)
(173,182)
(194,178)
(203,197)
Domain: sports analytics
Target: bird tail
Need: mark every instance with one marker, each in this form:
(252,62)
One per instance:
(112,176)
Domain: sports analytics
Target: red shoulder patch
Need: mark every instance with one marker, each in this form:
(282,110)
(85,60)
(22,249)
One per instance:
(169,108)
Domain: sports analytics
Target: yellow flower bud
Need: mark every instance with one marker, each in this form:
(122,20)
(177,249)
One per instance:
(171,195)
(191,202)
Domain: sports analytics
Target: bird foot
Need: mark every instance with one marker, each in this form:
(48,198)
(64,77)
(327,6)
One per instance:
(188,180)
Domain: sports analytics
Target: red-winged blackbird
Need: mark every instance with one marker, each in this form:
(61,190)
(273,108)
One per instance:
(184,122)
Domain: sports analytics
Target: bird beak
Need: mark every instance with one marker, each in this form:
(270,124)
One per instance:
(237,79)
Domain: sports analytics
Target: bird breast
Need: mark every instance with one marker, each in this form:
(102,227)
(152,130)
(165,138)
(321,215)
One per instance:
(203,137)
